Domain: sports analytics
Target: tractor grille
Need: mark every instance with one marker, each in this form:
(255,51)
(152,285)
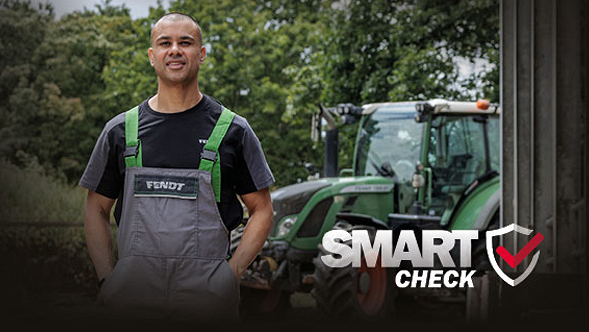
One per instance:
(314,220)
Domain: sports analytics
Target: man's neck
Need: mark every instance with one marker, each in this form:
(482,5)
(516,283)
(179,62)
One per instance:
(175,99)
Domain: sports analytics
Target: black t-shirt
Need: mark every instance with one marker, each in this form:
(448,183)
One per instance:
(175,140)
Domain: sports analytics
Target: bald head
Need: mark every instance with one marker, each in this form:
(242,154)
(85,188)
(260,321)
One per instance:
(176,17)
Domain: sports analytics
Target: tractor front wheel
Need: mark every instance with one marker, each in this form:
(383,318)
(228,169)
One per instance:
(353,293)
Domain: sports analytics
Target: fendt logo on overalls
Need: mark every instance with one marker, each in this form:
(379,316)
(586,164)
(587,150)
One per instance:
(166,186)
(359,248)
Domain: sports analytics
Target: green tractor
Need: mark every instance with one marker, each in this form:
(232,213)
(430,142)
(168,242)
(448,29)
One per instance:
(416,165)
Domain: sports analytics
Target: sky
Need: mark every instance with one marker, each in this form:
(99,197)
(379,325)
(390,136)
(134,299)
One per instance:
(139,8)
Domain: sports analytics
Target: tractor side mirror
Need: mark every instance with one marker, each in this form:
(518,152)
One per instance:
(417,181)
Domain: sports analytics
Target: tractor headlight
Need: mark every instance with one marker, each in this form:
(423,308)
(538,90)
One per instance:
(285,226)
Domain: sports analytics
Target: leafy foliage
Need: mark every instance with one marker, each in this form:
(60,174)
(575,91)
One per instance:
(52,107)
(271,61)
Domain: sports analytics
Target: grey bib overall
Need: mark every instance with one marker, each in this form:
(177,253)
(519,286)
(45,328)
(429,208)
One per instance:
(172,243)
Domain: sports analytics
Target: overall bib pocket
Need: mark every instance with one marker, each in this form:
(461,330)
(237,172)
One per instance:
(165,215)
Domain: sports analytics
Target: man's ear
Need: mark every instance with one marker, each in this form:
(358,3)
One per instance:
(150,56)
(203,54)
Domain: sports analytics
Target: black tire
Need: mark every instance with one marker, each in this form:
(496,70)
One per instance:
(352,293)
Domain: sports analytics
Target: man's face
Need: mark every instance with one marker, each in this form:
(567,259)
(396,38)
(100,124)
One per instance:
(175,51)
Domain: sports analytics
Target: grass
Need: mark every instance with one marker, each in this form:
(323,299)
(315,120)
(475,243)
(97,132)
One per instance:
(26,195)
(37,260)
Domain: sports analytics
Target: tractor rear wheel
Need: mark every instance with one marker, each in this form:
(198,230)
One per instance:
(353,293)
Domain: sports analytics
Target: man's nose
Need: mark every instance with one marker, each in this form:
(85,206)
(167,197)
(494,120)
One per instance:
(175,49)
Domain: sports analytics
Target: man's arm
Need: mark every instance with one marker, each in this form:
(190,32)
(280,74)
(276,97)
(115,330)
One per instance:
(98,233)
(256,231)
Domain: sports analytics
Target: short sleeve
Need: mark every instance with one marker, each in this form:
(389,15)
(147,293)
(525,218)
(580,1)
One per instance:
(102,173)
(256,174)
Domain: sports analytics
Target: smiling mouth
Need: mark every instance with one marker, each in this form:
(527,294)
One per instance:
(175,64)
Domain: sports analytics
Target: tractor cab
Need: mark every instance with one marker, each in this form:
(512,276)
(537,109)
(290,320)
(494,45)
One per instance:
(455,145)
(459,157)
(442,149)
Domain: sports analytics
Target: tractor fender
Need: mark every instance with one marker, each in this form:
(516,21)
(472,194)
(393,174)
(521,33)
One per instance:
(356,219)
(488,211)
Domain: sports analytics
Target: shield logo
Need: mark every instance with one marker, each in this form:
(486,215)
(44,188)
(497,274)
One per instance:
(524,252)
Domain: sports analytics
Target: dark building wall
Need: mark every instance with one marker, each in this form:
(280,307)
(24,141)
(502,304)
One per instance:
(545,100)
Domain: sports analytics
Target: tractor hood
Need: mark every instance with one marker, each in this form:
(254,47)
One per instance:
(292,199)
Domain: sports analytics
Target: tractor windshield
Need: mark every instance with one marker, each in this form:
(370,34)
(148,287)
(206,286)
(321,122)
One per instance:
(389,143)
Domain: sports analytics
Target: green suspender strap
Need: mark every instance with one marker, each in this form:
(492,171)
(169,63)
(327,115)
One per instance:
(210,160)
(132,152)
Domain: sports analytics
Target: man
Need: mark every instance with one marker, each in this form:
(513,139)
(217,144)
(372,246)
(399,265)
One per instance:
(174,165)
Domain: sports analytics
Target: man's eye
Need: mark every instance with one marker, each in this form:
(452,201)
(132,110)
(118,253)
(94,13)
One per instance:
(185,43)
(165,43)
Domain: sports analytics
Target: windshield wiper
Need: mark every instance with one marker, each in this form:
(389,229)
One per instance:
(385,169)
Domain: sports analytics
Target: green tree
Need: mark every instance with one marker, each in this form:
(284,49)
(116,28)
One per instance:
(53,110)
(271,61)
(378,50)
(438,33)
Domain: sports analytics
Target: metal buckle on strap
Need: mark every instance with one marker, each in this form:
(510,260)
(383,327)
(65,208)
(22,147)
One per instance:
(131,151)
(209,155)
